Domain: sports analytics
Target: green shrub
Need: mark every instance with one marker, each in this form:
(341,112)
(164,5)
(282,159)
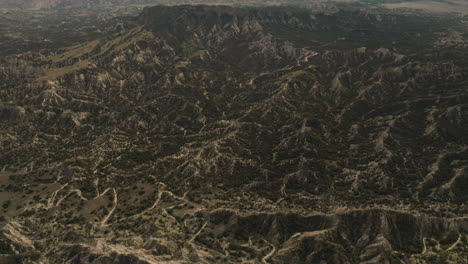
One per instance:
(6,204)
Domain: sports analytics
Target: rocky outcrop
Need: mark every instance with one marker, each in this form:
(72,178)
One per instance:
(364,236)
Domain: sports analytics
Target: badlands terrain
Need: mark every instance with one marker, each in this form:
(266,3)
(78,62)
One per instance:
(260,132)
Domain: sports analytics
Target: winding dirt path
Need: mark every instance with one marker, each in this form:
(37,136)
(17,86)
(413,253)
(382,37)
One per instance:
(103,222)
(425,247)
(270,254)
(198,233)
(455,244)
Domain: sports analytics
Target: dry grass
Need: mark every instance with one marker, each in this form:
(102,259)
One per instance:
(75,51)
(125,40)
(447,6)
(54,73)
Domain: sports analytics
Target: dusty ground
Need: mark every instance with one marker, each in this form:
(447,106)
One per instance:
(449,6)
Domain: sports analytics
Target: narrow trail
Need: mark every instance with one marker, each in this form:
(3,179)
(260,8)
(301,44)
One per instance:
(252,81)
(270,254)
(306,58)
(455,244)
(158,200)
(199,232)
(103,222)
(103,193)
(51,201)
(78,192)
(425,246)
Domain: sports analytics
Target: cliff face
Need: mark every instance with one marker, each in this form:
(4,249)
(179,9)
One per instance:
(215,135)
